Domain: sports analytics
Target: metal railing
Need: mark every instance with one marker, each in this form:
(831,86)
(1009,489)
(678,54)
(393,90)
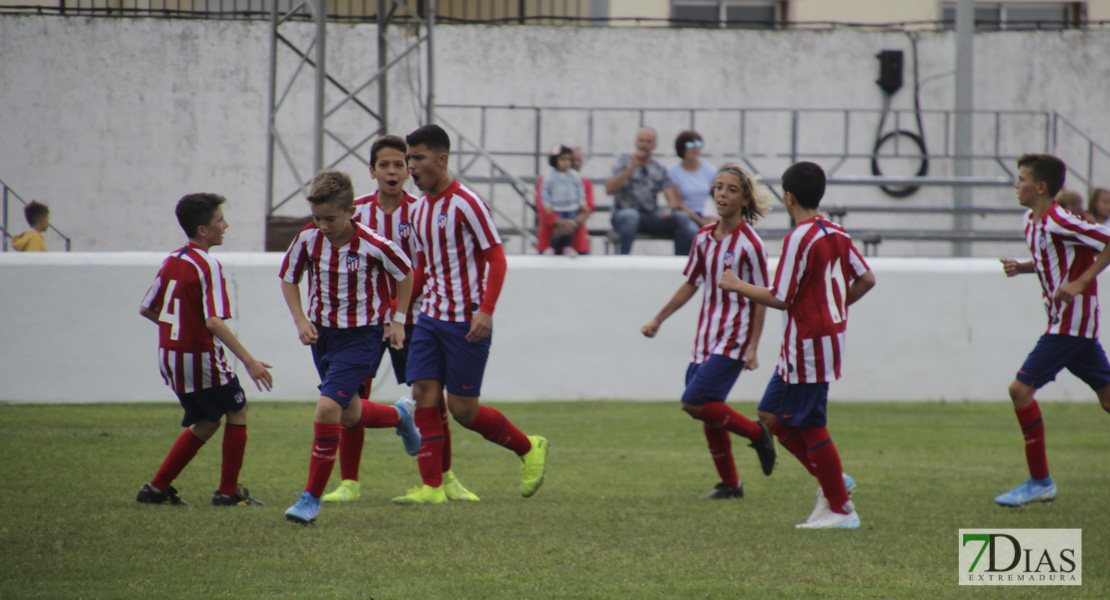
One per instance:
(5,194)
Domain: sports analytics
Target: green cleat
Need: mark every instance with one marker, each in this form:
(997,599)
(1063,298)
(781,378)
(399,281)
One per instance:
(532,466)
(347,491)
(455,490)
(425,494)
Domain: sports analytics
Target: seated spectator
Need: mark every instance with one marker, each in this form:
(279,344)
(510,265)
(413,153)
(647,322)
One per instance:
(1098,206)
(1071,201)
(38,217)
(563,231)
(694,177)
(635,185)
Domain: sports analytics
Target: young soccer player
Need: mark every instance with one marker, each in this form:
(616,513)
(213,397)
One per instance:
(820,273)
(189,303)
(451,342)
(388,211)
(729,326)
(352,272)
(38,217)
(1063,248)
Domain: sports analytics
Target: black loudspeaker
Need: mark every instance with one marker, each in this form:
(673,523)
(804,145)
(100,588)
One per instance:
(890,70)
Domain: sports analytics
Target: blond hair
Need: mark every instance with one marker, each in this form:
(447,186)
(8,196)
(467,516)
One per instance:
(753,189)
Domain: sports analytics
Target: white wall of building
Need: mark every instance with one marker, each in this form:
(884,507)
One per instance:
(933,329)
(110,121)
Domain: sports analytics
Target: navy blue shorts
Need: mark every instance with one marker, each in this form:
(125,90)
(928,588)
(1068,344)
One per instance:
(1084,357)
(212,404)
(439,351)
(397,357)
(343,358)
(711,380)
(796,404)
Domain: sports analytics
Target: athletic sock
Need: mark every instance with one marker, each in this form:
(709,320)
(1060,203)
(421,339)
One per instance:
(823,454)
(323,456)
(720,449)
(495,427)
(790,439)
(235,444)
(445,421)
(351,442)
(717,415)
(430,459)
(378,416)
(183,451)
(1032,428)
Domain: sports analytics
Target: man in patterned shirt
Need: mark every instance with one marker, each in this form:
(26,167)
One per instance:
(1063,248)
(729,326)
(635,184)
(189,303)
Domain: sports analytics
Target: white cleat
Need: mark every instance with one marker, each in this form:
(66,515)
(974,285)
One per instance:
(834,520)
(822,505)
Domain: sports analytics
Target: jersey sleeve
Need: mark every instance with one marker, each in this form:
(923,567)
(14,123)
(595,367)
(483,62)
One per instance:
(392,258)
(695,264)
(758,254)
(295,261)
(856,262)
(785,284)
(480,222)
(1069,227)
(217,303)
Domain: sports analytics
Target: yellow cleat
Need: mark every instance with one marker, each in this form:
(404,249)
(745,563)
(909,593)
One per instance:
(425,494)
(455,490)
(347,491)
(532,466)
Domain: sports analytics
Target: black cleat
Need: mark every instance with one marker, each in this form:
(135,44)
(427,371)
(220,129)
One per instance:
(149,495)
(723,491)
(765,447)
(242,497)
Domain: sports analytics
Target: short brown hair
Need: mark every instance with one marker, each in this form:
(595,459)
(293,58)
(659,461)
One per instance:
(332,187)
(1045,168)
(684,137)
(1093,197)
(196,210)
(387,141)
(35,211)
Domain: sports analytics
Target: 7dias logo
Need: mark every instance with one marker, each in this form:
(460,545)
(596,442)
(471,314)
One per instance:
(1021,557)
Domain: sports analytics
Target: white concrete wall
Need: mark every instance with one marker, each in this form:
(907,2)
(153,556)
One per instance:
(564,329)
(110,121)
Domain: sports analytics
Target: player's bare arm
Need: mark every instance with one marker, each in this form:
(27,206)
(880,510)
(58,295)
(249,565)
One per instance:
(149,314)
(760,295)
(683,295)
(258,370)
(860,286)
(480,327)
(1068,292)
(404,296)
(306,331)
(1013,267)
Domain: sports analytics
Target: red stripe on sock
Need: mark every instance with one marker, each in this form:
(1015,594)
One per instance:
(378,416)
(496,427)
(720,450)
(183,451)
(430,459)
(823,454)
(1032,429)
(718,415)
(235,445)
(351,442)
(322,459)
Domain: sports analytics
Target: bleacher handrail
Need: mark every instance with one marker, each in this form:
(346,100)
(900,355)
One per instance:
(5,192)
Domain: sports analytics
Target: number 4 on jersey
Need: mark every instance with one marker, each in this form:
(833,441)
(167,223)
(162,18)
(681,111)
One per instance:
(836,292)
(170,310)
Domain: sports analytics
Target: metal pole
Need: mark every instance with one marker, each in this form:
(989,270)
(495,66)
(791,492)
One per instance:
(321,78)
(965,29)
(383,60)
(270,116)
(431,104)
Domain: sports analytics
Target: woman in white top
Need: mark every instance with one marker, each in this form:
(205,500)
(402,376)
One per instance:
(694,177)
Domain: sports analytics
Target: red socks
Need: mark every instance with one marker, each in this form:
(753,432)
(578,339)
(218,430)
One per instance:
(323,456)
(720,449)
(493,426)
(446,433)
(351,442)
(183,451)
(430,459)
(826,461)
(235,444)
(790,439)
(717,415)
(1032,428)
(378,416)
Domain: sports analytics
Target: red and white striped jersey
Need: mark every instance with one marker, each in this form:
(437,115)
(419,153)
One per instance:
(1063,247)
(452,230)
(188,289)
(349,285)
(395,227)
(725,320)
(817,265)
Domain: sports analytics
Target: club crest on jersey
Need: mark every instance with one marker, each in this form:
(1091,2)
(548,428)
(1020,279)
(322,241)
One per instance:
(352,262)
(730,258)
(441,220)
(1042,242)
(404,229)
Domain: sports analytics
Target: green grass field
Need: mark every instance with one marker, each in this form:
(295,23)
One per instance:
(617,518)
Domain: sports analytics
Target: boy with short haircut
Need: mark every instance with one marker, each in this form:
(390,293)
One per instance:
(451,342)
(352,274)
(388,211)
(729,326)
(38,217)
(1063,248)
(189,303)
(811,285)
